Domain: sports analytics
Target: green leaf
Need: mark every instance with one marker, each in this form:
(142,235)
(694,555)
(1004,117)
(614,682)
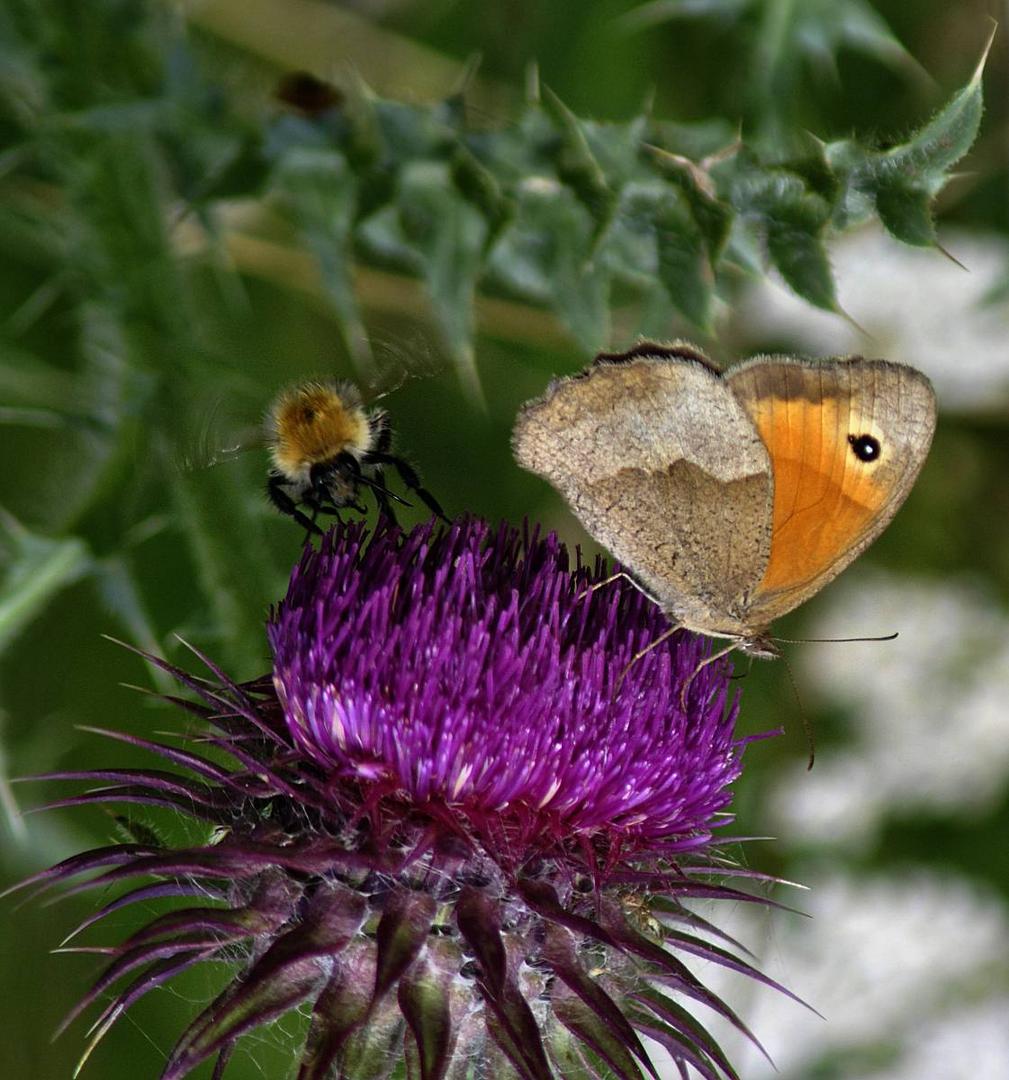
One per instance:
(458,207)
(697,141)
(658,11)
(655,236)
(787,41)
(683,259)
(906,212)
(934,149)
(798,251)
(713,217)
(34,569)
(478,185)
(234,579)
(819,29)
(123,594)
(320,192)
(544,256)
(447,233)
(794,219)
(576,166)
(900,183)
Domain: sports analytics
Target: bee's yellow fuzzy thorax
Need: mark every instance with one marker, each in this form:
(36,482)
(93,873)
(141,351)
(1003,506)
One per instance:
(314,423)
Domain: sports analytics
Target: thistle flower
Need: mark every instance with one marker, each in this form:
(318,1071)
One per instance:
(450,829)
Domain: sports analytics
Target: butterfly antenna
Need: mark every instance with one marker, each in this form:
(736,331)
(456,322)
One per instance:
(836,640)
(738,675)
(807,727)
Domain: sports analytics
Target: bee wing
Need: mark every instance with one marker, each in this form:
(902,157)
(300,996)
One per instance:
(215,441)
(398,361)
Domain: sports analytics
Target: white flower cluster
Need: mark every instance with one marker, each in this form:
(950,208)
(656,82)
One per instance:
(927,711)
(910,971)
(916,306)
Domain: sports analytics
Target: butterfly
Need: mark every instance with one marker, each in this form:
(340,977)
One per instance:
(731,496)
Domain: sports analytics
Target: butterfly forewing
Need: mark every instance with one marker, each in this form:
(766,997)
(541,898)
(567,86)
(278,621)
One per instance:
(732,497)
(846,439)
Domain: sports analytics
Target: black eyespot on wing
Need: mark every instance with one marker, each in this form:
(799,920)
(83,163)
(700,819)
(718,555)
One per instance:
(865,447)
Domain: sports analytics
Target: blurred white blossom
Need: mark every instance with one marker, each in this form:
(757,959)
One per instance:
(927,712)
(971,1043)
(884,959)
(916,305)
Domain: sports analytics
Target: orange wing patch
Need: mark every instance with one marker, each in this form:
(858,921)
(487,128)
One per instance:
(824,497)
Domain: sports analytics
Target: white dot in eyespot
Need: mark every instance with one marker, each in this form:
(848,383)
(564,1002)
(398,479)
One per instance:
(865,447)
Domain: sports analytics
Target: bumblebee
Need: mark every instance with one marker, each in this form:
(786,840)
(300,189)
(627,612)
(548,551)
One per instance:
(325,447)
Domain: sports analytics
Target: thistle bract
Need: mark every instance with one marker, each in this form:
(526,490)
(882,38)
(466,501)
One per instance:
(457,828)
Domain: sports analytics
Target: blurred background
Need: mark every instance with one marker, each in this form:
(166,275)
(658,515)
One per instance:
(179,242)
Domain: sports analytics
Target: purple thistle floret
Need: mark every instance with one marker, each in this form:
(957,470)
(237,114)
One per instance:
(458,825)
(474,670)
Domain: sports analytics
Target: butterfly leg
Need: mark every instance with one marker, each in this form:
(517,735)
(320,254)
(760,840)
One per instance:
(408,474)
(685,689)
(286,505)
(664,636)
(616,577)
(807,726)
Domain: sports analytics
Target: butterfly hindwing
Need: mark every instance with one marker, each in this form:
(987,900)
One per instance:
(662,466)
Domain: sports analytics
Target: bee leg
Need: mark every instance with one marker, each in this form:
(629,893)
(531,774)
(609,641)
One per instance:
(315,515)
(408,474)
(311,501)
(333,511)
(384,505)
(382,494)
(286,505)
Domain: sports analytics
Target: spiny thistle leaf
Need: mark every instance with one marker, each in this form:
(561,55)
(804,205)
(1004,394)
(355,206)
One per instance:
(902,182)
(549,208)
(562,209)
(321,194)
(683,266)
(576,167)
(789,40)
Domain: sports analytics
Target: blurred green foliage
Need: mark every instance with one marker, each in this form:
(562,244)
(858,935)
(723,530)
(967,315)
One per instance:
(179,243)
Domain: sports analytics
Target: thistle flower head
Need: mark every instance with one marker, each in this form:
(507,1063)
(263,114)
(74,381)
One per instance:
(472,671)
(457,828)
